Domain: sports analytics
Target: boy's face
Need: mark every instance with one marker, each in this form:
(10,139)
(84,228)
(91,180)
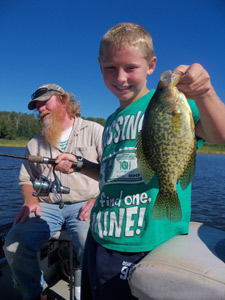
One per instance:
(124,72)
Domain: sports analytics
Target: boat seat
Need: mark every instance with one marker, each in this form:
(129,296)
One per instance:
(74,272)
(62,235)
(185,267)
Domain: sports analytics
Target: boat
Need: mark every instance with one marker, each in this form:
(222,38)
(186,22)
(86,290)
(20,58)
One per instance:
(185,267)
(58,261)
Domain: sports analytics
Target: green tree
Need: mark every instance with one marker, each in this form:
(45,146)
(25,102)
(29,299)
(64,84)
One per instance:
(7,128)
(18,125)
(97,120)
(29,126)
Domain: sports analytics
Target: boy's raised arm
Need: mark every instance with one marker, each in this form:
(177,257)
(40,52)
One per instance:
(196,85)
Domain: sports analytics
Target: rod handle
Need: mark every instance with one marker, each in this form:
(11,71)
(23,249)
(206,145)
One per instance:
(46,160)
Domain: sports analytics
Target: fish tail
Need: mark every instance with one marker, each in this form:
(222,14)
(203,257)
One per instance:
(167,206)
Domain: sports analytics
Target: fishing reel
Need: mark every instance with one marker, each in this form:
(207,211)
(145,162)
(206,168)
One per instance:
(44,185)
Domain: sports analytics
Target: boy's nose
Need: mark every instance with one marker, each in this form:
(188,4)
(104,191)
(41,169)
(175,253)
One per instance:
(121,75)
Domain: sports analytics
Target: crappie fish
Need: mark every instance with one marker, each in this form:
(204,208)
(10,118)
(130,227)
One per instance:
(167,146)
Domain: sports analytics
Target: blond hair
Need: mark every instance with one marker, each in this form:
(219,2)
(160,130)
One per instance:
(128,34)
(72,105)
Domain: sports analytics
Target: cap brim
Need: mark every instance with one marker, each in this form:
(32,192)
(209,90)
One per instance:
(45,97)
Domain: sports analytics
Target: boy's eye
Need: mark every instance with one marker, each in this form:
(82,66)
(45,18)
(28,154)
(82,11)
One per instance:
(130,68)
(110,68)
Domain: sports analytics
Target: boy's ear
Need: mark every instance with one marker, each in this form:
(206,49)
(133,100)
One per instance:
(99,60)
(152,65)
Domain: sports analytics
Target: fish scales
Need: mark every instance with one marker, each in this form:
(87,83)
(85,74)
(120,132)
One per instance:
(167,146)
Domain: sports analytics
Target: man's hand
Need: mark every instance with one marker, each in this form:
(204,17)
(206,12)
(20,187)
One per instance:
(25,210)
(31,204)
(64,163)
(86,210)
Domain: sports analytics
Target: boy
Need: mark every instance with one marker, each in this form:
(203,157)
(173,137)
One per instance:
(122,230)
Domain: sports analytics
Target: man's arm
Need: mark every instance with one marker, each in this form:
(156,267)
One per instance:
(64,165)
(31,204)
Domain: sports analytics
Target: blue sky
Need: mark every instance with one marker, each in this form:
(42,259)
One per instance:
(56,41)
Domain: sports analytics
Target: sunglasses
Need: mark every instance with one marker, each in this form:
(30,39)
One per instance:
(42,91)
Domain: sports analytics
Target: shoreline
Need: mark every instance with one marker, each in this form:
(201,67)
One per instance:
(210,152)
(202,151)
(13,146)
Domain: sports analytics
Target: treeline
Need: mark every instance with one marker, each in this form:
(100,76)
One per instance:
(15,125)
(18,125)
(97,120)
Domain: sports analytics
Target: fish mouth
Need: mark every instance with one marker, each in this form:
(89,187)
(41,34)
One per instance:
(169,77)
(166,77)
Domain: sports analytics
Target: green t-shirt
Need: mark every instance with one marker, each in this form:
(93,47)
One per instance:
(121,217)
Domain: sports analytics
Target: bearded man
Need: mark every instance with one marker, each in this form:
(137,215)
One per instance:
(41,217)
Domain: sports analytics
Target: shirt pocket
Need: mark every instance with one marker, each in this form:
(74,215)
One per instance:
(87,152)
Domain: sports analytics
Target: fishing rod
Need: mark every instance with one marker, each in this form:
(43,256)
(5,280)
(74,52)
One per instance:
(37,159)
(43,185)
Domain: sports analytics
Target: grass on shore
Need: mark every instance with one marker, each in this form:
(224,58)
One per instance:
(211,148)
(207,148)
(13,143)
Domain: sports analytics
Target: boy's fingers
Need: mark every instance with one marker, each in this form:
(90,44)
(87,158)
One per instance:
(182,68)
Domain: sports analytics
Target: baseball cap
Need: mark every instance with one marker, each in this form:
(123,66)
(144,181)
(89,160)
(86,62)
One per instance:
(43,93)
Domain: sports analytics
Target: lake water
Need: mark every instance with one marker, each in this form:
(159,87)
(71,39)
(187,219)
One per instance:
(208,189)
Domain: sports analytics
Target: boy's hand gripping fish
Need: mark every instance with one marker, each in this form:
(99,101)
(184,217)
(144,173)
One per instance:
(167,145)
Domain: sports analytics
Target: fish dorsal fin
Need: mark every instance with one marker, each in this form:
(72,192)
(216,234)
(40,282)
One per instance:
(143,166)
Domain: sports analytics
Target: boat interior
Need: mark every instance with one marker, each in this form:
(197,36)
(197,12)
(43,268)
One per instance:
(185,267)
(57,260)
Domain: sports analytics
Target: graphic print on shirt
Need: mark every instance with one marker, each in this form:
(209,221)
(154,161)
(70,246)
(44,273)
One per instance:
(125,220)
(120,212)
(119,140)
